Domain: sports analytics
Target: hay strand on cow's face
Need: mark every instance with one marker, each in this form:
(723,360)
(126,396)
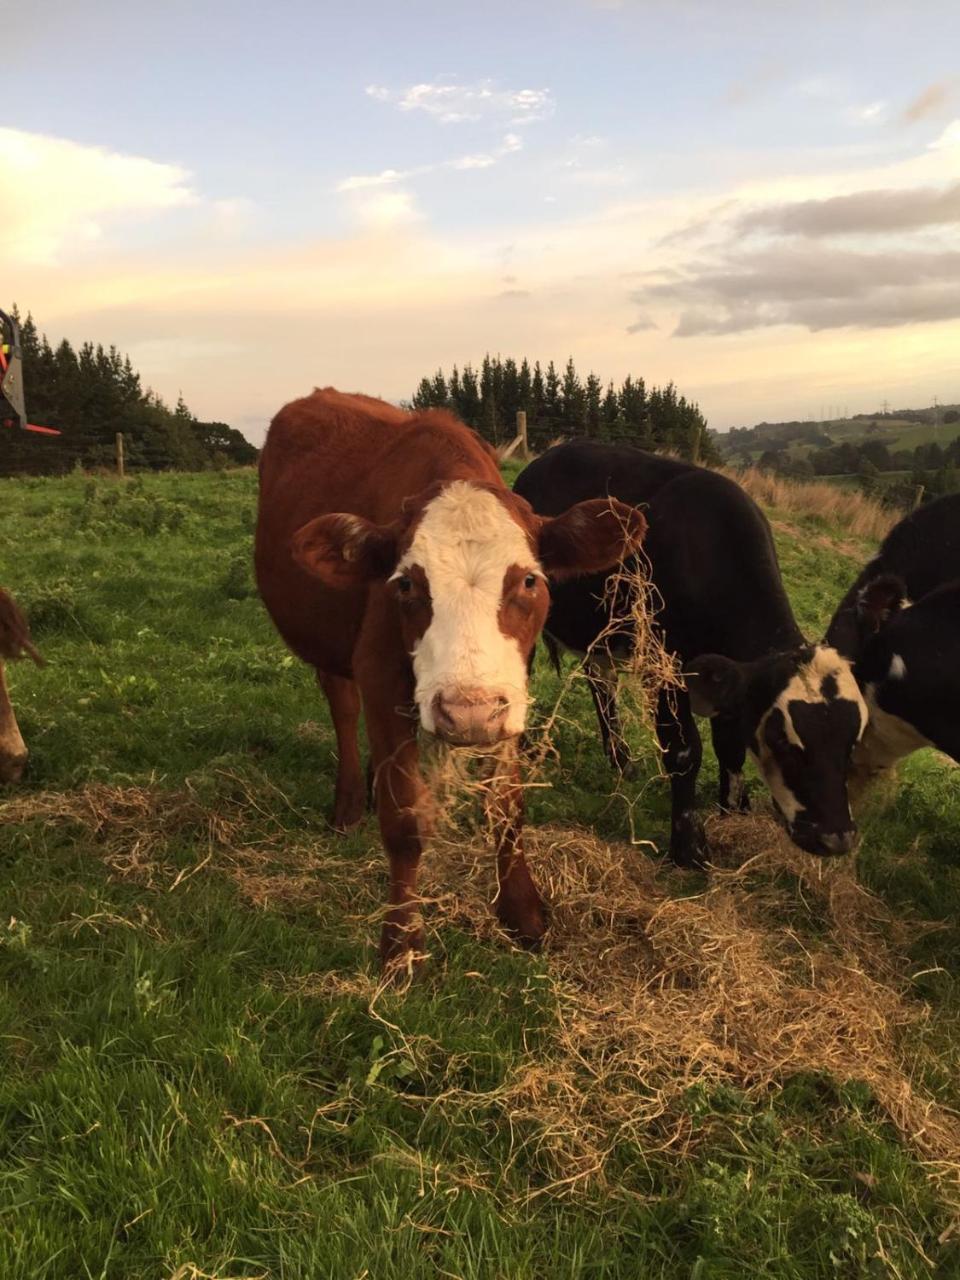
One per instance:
(633,603)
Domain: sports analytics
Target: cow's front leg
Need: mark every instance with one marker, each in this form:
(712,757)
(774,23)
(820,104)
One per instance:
(731,752)
(400,798)
(399,795)
(682,751)
(520,908)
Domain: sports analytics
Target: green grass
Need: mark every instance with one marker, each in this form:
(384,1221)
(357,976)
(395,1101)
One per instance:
(194,1079)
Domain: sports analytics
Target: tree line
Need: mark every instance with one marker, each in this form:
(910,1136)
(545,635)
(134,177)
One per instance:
(90,395)
(559,406)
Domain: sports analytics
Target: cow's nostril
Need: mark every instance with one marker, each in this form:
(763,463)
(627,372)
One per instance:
(442,715)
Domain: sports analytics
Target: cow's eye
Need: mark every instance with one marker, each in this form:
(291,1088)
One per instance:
(530,581)
(404,585)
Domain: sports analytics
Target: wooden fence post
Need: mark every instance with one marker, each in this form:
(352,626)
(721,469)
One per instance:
(120,469)
(522,433)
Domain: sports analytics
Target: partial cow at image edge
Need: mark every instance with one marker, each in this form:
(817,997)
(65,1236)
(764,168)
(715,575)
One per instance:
(15,643)
(899,623)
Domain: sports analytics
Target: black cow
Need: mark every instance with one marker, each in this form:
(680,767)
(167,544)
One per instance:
(795,706)
(900,625)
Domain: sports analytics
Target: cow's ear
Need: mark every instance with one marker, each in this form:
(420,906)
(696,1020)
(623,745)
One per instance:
(589,537)
(715,684)
(345,551)
(880,599)
(14,632)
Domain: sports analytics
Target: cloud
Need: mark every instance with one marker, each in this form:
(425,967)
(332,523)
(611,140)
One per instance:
(385,178)
(511,144)
(876,251)
(57,195)
(387,210)
(481,161)
(642,324)
(871,113)
(756,83)
(514,293)
(451,102)
(863,212)
(949,139)
(816,288)
(927,103)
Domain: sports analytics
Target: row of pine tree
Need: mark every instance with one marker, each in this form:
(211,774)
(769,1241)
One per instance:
(93,393)
(562,406)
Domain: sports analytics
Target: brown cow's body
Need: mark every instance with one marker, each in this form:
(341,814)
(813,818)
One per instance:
(14,643)
(394,560)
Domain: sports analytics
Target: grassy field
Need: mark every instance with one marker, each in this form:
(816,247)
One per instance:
(755,1074)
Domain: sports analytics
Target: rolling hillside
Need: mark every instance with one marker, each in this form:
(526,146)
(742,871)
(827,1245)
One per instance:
(906,430)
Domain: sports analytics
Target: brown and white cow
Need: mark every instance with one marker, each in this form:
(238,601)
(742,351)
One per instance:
(14,643)
(394,560)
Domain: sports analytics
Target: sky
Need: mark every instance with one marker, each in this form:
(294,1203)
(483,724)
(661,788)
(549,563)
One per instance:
(757,200)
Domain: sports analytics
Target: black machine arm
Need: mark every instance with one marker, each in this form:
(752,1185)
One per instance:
(12,409)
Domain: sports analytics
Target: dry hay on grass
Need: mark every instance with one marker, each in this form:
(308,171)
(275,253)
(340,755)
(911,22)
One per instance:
(135,831)
(783,965)
(846,508)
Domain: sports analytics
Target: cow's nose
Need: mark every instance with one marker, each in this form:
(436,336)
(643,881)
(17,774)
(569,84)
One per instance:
(840,841)
(12,767)
(470,717)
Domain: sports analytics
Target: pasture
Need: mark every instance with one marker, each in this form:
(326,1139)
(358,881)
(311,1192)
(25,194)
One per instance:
(751,1074)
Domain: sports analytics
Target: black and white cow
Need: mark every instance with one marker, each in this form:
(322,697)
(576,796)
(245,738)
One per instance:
(795,706)
(900,625)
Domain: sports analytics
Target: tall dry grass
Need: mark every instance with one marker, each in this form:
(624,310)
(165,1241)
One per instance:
(845,508)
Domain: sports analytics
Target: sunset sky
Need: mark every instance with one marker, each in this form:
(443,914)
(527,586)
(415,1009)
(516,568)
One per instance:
(758,200)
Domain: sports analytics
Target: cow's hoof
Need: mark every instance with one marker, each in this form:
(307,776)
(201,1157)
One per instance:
(527,924)
(736,803)
(688,847)
(348,812)
(401,952)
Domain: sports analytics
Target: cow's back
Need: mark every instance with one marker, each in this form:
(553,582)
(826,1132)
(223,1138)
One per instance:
(922,550)
(316,459)
(709,546)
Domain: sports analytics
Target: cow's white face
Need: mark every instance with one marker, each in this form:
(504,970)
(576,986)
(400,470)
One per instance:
(802,715)
(466,566)
(474,597)
(803,745)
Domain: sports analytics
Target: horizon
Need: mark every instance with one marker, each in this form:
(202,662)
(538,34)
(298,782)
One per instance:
(758,206)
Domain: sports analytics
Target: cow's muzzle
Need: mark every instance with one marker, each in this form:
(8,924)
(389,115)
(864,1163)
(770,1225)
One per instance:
(826,844)
(471,717)
(12,767)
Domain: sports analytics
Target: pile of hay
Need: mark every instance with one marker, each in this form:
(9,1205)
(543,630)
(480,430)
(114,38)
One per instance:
(783,965)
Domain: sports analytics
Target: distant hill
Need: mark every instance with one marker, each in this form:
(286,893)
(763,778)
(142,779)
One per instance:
(899,430)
